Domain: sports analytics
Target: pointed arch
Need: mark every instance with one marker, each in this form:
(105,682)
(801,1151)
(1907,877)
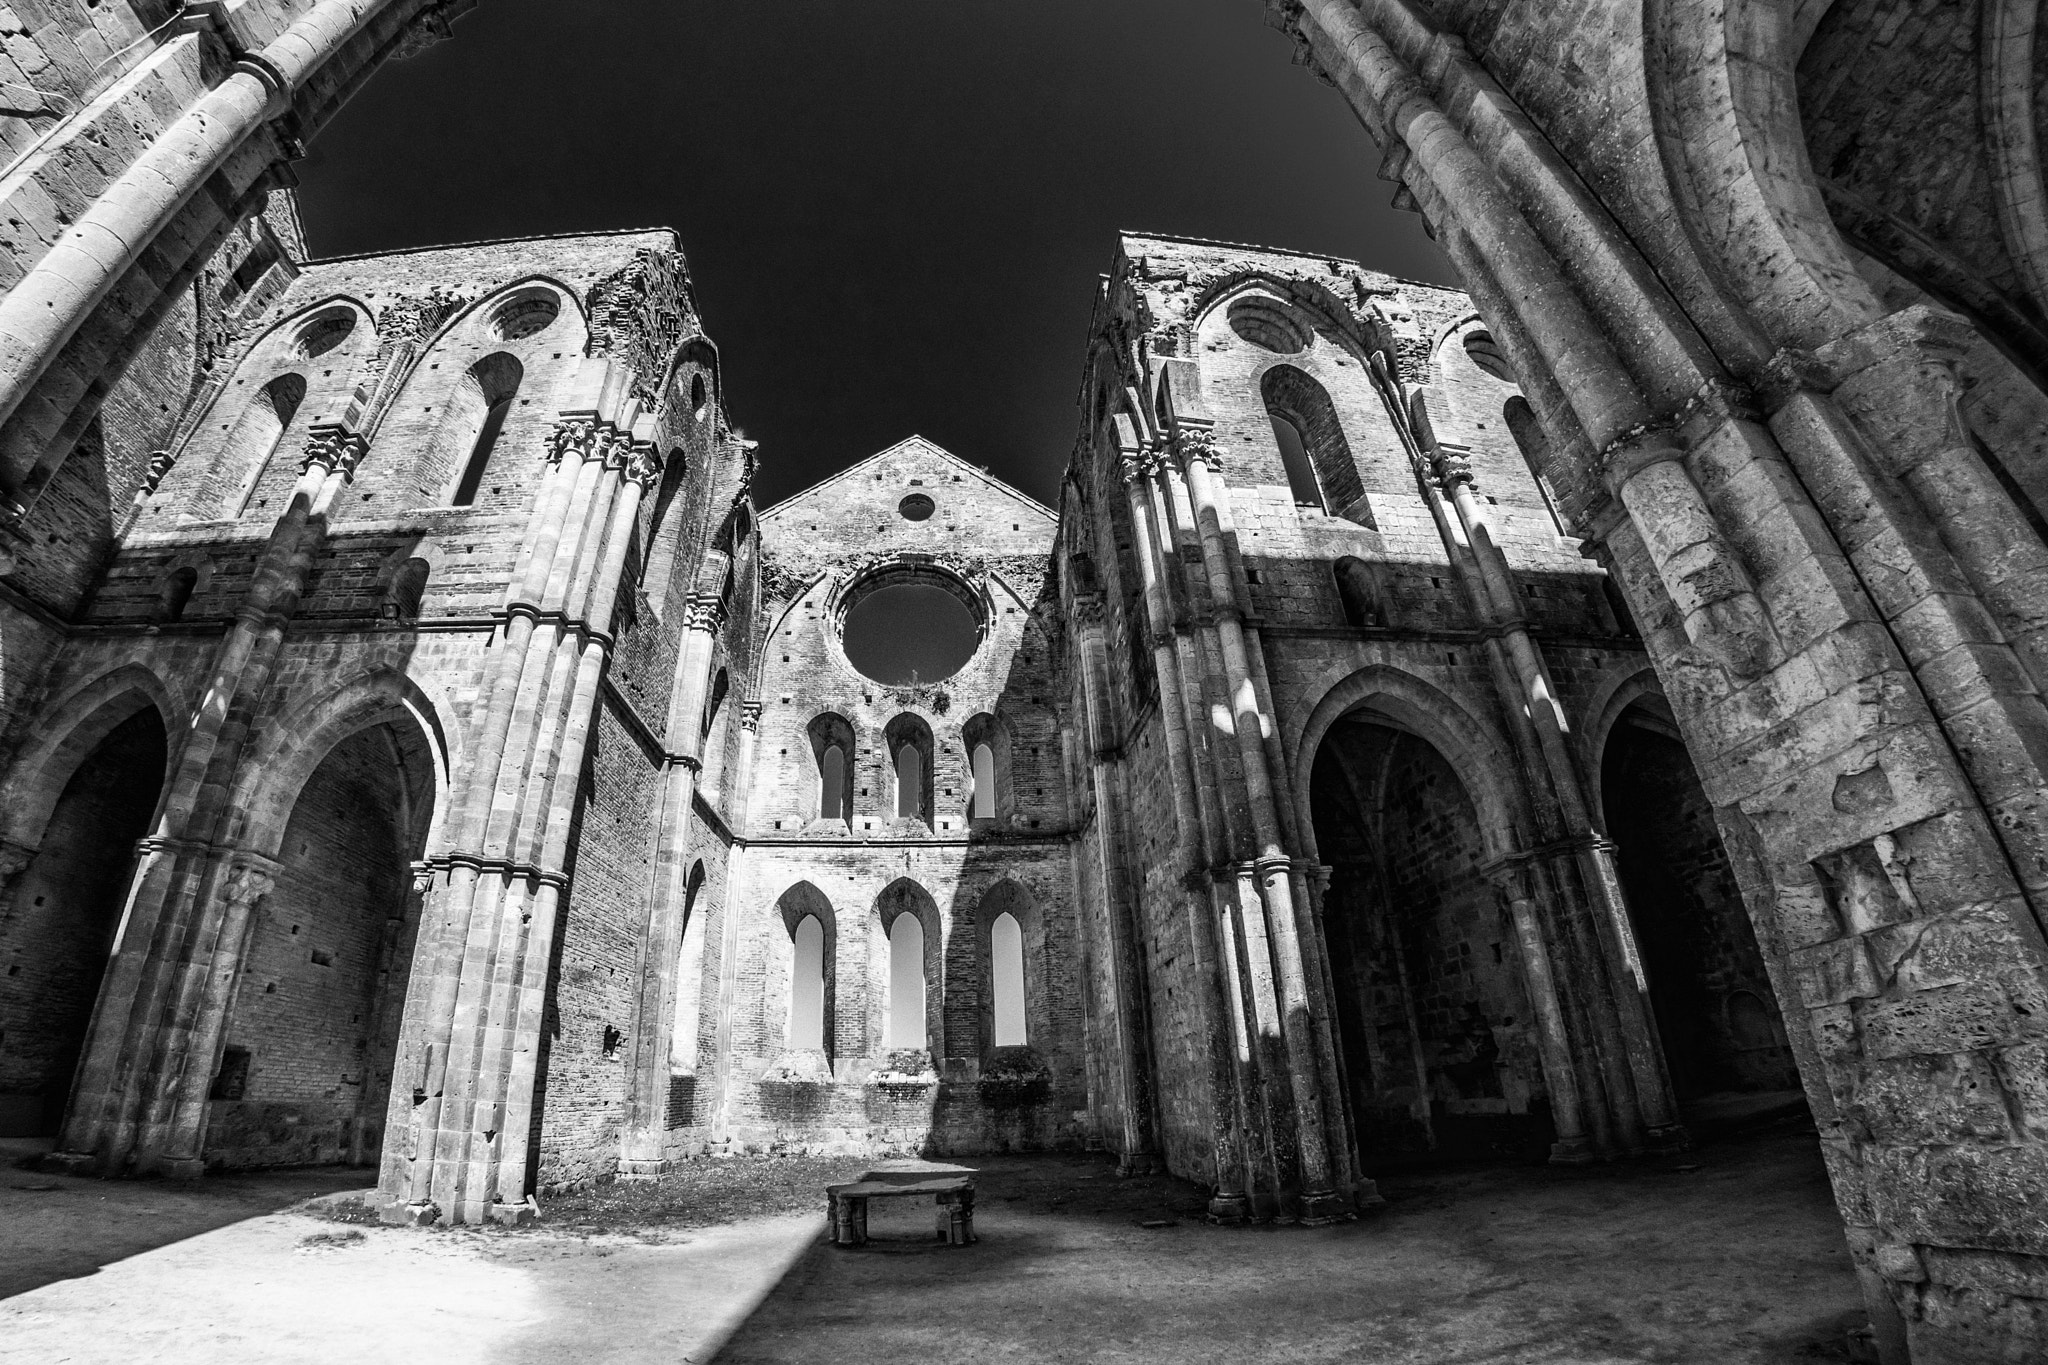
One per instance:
(912,968)
(1312,443)
(911,755)
(810,997)
(472,421)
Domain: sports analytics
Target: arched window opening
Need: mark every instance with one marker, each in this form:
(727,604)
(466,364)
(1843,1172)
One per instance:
(1006,954)
(987,742)
(714,739)
(178,592)
(715,700)
(984,782)
(700,397)
(905,1027)
(682,1047)
(474,421)
(1531,442)
(408,591)
(832,784)
(832,746)
(910,760)
(909,783)
(257,436)
(1359,593)
(1301,476)
(664,534)
(807,988)
(1320,470)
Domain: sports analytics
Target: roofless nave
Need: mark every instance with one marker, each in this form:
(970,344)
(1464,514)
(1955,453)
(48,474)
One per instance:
(1427,725)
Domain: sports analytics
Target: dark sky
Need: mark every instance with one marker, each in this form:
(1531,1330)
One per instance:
(894,210)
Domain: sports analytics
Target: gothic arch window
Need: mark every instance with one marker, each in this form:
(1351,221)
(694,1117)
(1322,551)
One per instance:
(832,746)
(472,422)
(178,586)
(1358,591)
(906,1021)
(408,591)
(1006,970)
(682,1048)
(1320,470)
(808,920)
(256,437)
(807,987)
(1530,441)
(714,701)
(987,743)
(910,760)
(1012,939)
(664,534)
(714,738)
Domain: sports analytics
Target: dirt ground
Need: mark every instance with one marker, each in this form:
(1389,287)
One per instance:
(1729,1255)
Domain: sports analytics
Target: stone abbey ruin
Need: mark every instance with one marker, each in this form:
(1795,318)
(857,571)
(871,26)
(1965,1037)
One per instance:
(1429,723)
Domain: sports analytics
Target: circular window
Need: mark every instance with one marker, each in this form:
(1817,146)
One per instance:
(905,627)
(1267,324)
(526,313)
(324,331)
(916,507)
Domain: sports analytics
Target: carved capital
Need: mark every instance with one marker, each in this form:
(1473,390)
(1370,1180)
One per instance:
(643,465)
(1193,444)
(750,715)
(335,449)
(246,885)
(574,434)
(704,611)
(1454,466)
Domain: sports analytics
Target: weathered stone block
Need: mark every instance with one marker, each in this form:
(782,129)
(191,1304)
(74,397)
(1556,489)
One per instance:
(1995,1198)
(1959,1018)
(1931,1099)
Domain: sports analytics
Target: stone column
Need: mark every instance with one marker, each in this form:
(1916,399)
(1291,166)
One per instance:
(643,1146)
(1181,712)
(459,1141)
(1137,1153)
(1273,867)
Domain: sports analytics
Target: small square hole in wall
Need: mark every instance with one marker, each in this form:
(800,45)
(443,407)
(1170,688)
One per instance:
(321,959)
(778,824)
(867,824)
(1251,575)
(612,1039)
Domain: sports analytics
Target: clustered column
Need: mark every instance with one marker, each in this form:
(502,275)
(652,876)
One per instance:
(463,1087)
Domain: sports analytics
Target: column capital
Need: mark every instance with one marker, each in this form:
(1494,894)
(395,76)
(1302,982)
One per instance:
(330,446)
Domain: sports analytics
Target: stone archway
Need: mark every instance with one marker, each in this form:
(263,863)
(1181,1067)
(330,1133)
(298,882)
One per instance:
(1716,1012)
(1437,1034)
(59,919)
(305,1067)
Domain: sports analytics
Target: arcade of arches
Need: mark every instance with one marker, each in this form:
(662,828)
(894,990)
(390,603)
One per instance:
(1510,723)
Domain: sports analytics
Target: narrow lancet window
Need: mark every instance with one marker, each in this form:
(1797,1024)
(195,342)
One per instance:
(909,783)
(807,988)
(984,782)
(1006,949)
(906,984)
(832,784)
